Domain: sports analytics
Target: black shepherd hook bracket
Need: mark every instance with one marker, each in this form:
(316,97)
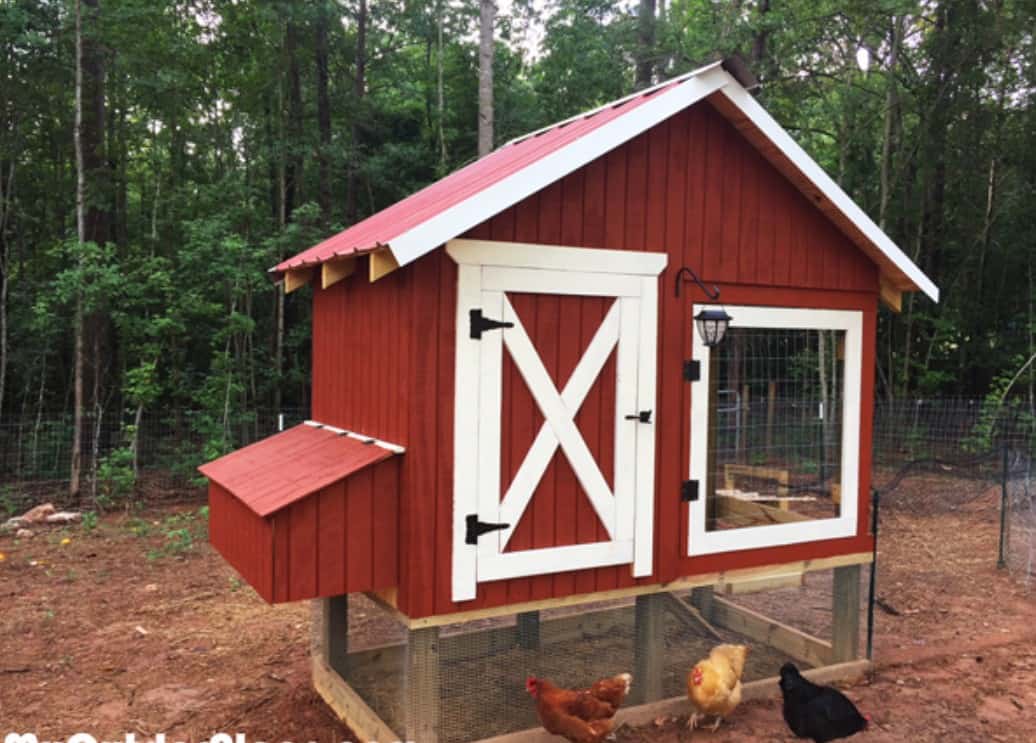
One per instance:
(712,294)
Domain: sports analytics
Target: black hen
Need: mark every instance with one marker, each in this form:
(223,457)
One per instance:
(817,712)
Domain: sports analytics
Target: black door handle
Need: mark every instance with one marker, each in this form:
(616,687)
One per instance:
(644,416)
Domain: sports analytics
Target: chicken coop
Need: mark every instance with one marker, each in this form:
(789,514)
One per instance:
(571,405)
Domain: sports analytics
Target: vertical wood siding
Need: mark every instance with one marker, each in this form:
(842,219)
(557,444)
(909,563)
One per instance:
(384,353)
(244,539)
(341,539)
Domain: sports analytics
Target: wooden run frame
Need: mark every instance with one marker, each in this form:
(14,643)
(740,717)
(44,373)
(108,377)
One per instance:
(834,660)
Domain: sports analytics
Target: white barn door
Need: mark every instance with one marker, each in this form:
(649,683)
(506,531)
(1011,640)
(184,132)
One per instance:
(487,511)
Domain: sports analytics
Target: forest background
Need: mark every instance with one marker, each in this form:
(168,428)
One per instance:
(158,156)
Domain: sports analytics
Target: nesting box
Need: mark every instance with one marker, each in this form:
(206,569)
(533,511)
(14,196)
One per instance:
(512,409)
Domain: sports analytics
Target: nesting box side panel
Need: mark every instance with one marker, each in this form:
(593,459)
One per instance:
(342,539)
(243,538)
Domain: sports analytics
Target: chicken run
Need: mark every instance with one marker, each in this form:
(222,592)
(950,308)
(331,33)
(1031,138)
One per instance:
(568,403)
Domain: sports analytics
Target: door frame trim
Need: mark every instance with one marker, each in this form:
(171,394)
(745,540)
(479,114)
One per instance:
(538,265)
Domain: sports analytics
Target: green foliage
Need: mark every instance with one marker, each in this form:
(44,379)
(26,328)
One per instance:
(998,409)
(212,156)
(115,477)
(89,522)
(8,504)
(181,532)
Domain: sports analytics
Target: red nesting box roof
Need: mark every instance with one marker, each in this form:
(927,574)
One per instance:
(284,468)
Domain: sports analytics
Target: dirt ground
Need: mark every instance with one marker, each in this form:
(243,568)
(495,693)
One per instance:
(138,626)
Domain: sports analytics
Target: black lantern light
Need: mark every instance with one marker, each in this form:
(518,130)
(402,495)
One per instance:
(712,322)
(712,325)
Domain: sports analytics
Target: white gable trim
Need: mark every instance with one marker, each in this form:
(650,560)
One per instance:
(809,168)
(474,210)
(458,219)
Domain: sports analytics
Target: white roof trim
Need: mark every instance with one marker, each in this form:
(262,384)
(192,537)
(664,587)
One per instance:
(474,210)
(394,448)
(694,86)
(809,168)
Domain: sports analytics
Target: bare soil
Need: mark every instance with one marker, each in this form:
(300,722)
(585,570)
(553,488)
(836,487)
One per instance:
(125,628)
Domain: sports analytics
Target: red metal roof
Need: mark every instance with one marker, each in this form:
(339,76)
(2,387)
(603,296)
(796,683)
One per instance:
(288,466)
(381,228)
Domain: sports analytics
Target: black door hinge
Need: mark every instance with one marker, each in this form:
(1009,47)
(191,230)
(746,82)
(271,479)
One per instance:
(477,528)
(480,324)
(689,491)
(644,416)
(691,370)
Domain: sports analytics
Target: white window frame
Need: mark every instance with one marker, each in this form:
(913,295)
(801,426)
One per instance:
(486,270)
(703,542)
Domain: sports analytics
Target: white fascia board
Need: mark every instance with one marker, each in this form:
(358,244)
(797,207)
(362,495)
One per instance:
(479,207)
(809,168)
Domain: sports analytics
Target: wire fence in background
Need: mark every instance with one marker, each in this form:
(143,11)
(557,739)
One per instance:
(928,456)
(160,461)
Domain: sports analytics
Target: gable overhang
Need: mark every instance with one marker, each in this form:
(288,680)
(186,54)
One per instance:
(713,83)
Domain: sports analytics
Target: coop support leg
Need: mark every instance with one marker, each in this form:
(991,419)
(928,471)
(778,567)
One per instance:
(422,685)
(701,599)
(845,629)
(528,630)
(648,648)
(330,634)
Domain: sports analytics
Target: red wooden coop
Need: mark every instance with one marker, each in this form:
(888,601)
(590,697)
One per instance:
(514,409)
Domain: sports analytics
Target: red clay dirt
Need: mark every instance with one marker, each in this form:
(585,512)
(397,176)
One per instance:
(122,629)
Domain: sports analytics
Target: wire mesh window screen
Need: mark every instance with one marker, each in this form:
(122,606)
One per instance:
(775,429)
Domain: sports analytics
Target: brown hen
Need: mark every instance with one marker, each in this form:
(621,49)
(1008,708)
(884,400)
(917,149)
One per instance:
(581,716)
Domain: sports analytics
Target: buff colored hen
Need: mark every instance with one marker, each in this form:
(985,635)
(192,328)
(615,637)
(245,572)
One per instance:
(714,684)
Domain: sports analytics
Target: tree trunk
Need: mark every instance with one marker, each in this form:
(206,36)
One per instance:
(323,116)
(891,117)
(645,44)
(293,160)
(77,427)
(359,89)
(440,90)
(3,323)
(6,199)
(485,77)
(759,43)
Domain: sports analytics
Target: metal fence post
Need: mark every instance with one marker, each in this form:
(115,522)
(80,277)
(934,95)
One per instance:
(1001,561)
(873,597)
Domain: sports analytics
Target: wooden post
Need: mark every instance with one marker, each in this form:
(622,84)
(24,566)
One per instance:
(701,599)
(330,632)
(422,685)
(845,629)
(648,647)
(528,630)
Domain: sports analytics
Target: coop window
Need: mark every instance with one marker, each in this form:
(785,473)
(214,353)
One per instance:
(775,423)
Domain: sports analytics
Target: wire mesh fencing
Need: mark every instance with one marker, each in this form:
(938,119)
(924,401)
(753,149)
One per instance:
(467,681)
(119,459)
(1018,516)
